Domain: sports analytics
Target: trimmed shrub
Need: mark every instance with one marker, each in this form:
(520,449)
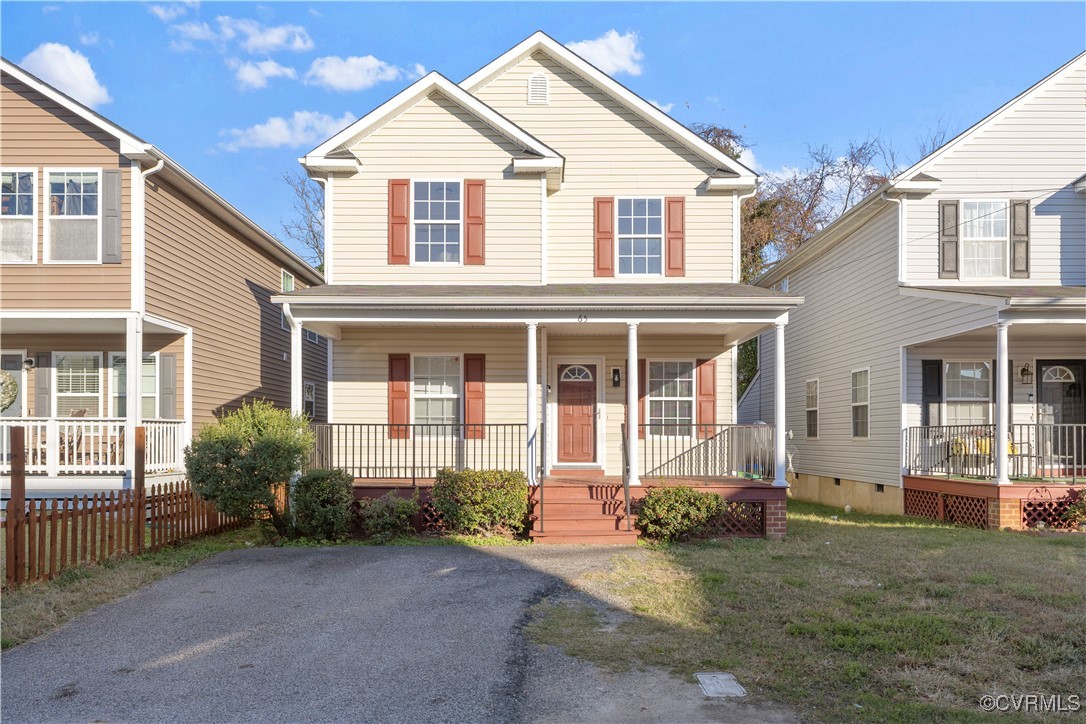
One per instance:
(321,503)
(481,501)
(678,513)
(238,462)
(384,518)
(1076,507)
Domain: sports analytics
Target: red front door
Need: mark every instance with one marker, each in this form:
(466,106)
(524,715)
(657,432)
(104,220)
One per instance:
(577,413)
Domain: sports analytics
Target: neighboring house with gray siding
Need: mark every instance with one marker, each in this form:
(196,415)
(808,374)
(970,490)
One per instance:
(946,311)
(111,251)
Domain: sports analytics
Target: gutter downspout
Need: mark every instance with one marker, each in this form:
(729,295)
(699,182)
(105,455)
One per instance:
(737,235)
(903,415)
(902,228)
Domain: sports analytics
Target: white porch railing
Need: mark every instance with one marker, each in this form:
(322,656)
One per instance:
(89,446)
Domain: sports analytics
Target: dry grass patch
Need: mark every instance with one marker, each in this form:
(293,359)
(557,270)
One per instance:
(863,617)
(37,608)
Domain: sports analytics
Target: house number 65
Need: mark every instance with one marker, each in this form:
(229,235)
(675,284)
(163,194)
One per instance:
(582,317)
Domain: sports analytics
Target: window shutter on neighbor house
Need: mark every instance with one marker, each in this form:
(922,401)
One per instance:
(675,237)
(604,213)
(1020,239)
(475,396)
(399,221)
(706,416)
(111,217)
(167,386)
(475,222)
(43,385)
(948,239)
(931,391)
(399,396)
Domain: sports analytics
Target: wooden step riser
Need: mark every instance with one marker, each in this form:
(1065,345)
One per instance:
(620,539)
(569,493)
(582,507)
(583,526)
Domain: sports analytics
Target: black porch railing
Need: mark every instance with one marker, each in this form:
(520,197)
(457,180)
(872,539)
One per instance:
(696,451)
(414,452)
(1035,451)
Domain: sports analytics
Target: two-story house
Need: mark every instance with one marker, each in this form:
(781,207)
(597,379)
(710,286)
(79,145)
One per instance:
(938,364)
(536,269)
(110,251)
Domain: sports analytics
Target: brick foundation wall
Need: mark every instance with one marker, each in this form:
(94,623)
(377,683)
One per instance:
(776,519)
(1005,514)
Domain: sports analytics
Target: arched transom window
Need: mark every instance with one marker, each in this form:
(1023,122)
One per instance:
(1058,374)
(576,373)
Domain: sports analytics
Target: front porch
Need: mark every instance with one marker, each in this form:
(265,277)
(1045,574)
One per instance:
(985,504)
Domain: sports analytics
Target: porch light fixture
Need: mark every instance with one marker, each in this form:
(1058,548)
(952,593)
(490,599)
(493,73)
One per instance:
(1026,374)
(28,363)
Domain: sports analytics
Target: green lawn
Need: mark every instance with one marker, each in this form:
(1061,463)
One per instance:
(852,617)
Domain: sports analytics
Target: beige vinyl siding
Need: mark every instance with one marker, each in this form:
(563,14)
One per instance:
(610,151)
(37,133)
(1033,152)
(854,317)
(202,274)
(436,139)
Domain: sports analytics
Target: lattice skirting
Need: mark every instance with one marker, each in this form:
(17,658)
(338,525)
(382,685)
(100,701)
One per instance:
(922,504)
(1046,512)
(429,519)
(743,519)
(966,510)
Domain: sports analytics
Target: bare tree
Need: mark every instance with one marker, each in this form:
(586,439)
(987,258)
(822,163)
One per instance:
(306,228)
(933,138)
(722,138)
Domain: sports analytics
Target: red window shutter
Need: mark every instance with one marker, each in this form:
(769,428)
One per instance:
(642,385)
(675,238)
(475,222)
(399,396)
(605,236)
(706,398)
(474,396)
(399,221)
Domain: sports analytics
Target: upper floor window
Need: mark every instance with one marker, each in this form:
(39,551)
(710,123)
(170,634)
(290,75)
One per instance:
(73,225)
(18,217)
(640,236)
(984,239)
(437,221)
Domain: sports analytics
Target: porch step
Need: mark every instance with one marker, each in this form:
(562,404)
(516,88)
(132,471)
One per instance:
(567,525)
(579,508)
(594,493)
(617,538)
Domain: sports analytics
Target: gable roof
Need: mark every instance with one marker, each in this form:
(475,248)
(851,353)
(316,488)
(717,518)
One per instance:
(135,148)
(541,42)
(911,180)
(339,144)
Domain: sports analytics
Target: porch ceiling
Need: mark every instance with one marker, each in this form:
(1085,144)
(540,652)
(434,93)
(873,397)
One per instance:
(1024,333)
(74,325)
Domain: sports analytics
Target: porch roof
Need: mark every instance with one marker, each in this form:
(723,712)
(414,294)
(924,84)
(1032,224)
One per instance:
(1018,295)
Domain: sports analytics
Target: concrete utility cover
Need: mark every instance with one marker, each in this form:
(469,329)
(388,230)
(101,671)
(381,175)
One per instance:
(719,684)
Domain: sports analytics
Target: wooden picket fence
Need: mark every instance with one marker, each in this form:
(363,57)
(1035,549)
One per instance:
(44,537)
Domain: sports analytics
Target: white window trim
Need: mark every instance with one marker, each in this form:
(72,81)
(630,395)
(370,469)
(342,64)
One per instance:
(23,409)
(1006,240)
(293,285)
(693,398)
(47,217)
(854,405)
(101,381)
(663,238)
(312,336)
(818,402)
(991,380)
(459,393)
(34,210)
(117,392)
(411,226)
(305,384)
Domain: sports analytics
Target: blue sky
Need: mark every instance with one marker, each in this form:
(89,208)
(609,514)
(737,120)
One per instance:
(237,91)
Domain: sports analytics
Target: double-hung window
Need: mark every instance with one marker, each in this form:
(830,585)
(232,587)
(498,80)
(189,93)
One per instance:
(812,409)
(309,399)
(436,387)
(312,336)
(861,407)
(148,386)
(968,392)
(18,217)
(437,220)
(984,239)
(640,236)
(78,384)
(73,226)
(671,398)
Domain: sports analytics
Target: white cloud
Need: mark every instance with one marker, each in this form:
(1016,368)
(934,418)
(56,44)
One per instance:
(612,53)
(167,13)
(355,72)
(195,31)
(303,128)
(260,38)
(417,71)
(69,70)
(255,75)
(665,107)
(746,157)
(89,39)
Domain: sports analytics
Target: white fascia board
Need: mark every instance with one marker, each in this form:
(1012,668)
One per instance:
(507,303)
(541,41)
(330,165)
(731,184)
(430,82)
(536,165)
(912,186)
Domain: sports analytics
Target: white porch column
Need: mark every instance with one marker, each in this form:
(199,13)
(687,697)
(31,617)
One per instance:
(631,403)
(133,365)
(544,394)
(780,458)
(295,361)
(532,399)
(1002,405)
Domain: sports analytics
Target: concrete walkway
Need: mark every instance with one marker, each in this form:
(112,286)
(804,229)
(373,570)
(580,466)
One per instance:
(340,634)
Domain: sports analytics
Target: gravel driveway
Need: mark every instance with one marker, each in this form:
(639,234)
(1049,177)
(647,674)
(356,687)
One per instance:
(340,634)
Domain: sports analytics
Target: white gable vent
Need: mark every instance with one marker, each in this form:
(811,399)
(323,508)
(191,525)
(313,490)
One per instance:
(539,90)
